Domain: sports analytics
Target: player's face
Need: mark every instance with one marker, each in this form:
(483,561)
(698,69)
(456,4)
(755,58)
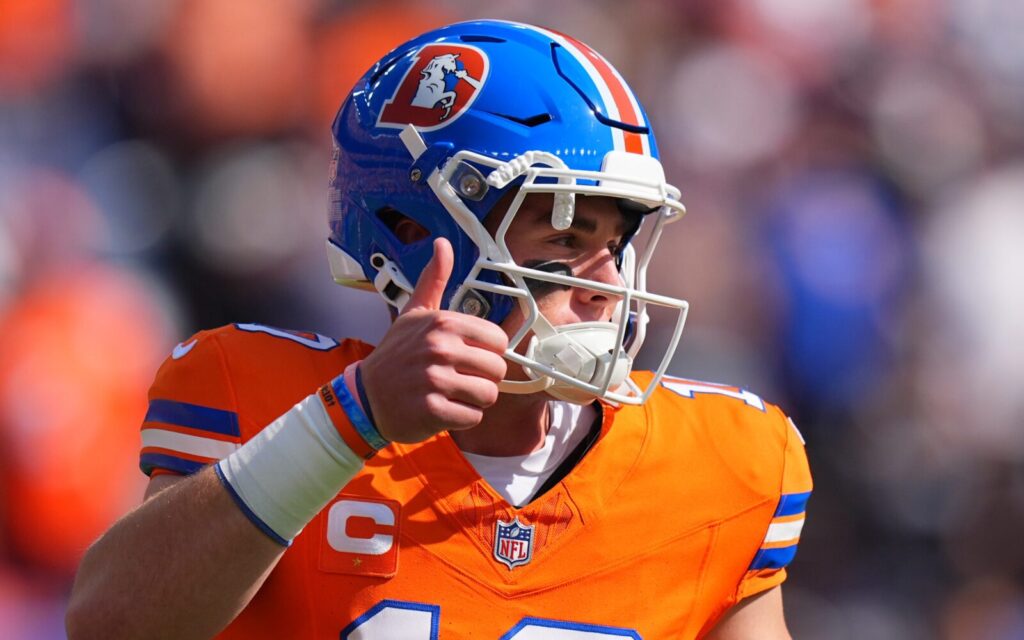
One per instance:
(588,250)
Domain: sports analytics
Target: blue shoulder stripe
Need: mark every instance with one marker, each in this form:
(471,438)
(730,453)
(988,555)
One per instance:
(194,416)
(150,461)
(792,503)
(773,558)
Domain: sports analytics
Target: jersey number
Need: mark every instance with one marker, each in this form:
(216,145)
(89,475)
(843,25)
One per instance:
(311,340)
(397,620)
(687,389)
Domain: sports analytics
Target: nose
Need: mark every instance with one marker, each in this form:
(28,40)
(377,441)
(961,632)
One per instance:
(595,304)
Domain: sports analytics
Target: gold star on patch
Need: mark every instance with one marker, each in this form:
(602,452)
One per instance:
(356,562)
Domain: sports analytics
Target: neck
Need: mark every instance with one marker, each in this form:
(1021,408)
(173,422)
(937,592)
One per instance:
(515,425)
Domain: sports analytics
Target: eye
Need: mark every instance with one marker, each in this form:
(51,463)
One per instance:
(617,248)
(565,240)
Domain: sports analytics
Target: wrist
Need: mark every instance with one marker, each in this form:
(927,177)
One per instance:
(346,404)
(278,495)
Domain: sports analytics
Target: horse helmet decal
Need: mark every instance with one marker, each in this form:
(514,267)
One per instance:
(441,83)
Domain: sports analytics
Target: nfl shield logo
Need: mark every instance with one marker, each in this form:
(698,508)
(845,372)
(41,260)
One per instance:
(441,83)
(513,543)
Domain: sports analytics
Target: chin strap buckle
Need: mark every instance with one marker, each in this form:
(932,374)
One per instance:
(391,282)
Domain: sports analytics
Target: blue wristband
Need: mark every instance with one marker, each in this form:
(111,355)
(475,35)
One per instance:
(360,422)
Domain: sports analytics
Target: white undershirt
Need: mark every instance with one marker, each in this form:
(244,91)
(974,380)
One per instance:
(517,478)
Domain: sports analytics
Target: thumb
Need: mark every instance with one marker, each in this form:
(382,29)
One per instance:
(433,279)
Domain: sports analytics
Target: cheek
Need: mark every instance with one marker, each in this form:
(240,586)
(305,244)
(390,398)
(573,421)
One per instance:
(512,322)
(554,302)
(554,305)
(510,325)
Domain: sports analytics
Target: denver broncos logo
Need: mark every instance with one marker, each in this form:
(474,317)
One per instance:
(441,83)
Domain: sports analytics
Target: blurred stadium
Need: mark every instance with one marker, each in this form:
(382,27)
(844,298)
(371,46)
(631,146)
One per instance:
(854,171)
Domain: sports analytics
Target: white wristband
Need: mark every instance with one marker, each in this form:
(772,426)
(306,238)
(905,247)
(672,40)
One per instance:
(286,474)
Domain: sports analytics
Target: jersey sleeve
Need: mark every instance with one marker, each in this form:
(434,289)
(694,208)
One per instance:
(768,568)
(192,419)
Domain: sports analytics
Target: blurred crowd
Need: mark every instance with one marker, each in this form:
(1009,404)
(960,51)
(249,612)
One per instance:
(854,171)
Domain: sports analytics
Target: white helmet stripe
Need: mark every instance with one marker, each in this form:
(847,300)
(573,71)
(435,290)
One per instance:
(619,101)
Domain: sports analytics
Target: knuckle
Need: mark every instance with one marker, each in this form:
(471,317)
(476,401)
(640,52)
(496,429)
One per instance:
(436,376)
(437,347)
(446,321)
(435,404)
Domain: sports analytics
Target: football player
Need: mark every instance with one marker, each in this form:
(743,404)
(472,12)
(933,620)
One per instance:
(494,468)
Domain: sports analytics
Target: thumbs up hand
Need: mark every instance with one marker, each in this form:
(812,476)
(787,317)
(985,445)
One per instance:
(434,370)
(433,280)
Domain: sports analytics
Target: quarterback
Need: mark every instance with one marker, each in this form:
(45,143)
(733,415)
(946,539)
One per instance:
(494,468)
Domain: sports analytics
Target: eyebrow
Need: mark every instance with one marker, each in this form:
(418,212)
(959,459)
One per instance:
(586,224)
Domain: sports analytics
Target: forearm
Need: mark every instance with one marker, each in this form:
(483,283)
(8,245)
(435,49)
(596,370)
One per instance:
(187,561)
(182,565)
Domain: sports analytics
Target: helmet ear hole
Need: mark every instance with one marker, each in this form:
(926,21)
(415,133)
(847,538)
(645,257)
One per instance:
(405,229)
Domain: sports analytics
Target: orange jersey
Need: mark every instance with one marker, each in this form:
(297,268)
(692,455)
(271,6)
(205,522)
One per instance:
(683,507)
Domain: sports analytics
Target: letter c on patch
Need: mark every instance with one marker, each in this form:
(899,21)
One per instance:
(337,525)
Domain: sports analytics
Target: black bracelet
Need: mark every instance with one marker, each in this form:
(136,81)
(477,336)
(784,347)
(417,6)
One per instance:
(362,396)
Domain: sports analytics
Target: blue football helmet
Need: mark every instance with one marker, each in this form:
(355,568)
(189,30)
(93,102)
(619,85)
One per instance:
(443,127)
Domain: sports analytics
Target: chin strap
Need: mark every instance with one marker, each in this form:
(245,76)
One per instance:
(523,387)
(537,383)
(581,351)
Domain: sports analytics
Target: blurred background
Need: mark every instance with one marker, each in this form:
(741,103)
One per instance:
(854,171)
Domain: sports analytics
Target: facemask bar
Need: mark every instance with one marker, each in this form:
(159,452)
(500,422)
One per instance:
(494,255)
(536,322)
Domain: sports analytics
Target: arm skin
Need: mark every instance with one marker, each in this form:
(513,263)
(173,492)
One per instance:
(187,561)
(182,565)
(758,617)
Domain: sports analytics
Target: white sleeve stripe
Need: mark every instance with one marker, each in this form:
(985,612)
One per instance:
(784,531)
(798,434)
(184,443)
